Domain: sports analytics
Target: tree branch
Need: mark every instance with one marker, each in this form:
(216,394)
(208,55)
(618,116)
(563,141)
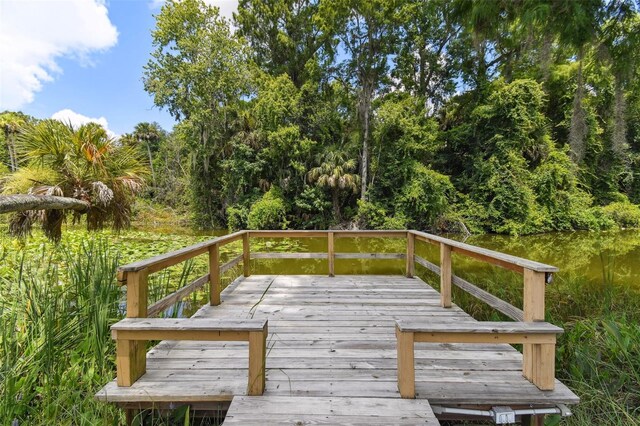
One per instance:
(22,202)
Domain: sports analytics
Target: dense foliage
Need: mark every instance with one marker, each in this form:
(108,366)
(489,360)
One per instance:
(500,116)
(510,117)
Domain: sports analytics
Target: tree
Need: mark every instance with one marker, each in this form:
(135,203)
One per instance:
(335,173)
(367,33)
(150,135)
(283,34)
(12,123)
(200,72)
(81,163)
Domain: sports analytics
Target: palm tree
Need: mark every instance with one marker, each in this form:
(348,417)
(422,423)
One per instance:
(336,173)
(150,134)
(83,163)
(11,123)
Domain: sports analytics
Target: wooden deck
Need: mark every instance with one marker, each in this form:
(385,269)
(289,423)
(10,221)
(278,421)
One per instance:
(333,338)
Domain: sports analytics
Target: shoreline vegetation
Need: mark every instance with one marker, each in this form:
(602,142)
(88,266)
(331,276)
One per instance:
(58,301)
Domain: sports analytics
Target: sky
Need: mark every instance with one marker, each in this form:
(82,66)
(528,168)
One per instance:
(81,60)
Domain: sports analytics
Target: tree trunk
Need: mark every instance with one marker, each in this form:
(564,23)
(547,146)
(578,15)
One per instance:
(153,173)
(24,202)
(365,110)
(336,205)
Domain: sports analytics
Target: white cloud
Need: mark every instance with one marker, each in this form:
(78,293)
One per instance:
(77,120)
(227,7)
(33,35)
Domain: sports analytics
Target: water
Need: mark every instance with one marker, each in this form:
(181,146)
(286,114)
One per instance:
(612,256)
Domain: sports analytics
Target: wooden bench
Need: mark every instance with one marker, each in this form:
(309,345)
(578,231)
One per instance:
(131,332)
(540,360)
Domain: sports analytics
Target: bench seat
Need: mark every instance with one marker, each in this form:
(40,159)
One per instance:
(540,336)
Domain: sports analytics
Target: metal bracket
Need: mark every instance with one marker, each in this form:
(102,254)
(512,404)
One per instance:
(548,277)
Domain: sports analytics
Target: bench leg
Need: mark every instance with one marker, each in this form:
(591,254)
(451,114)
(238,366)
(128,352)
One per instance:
(131,361)
(406,366)
(257,362)
(544,369)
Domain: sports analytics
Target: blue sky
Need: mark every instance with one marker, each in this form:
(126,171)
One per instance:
(85,66)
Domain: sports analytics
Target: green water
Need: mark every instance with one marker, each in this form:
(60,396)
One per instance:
(612,257)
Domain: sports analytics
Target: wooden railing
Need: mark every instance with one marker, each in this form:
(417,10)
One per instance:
(535,274)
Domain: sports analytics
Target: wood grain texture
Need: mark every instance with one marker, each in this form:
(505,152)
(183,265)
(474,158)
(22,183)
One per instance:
(331,253)
(410,256)
(214,275)
(445,275)
(246,254)
(283,410)
(334,338)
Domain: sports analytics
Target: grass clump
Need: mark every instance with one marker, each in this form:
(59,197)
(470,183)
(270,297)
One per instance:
(55,348)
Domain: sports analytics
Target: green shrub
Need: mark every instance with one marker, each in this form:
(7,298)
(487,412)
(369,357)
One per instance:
(424,198)
(237,217)
(269,212)
(625,214)
(371,215)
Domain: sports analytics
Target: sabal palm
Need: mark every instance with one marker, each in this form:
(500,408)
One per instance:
(335,172)
(88,165)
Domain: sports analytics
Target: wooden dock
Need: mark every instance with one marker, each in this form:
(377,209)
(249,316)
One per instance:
(332,356)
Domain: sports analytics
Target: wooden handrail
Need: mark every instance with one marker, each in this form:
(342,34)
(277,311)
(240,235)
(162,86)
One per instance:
(162,261)
(507,261)
(486,297)
(535,273)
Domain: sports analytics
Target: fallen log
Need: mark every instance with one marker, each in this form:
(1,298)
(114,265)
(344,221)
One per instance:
(23,202)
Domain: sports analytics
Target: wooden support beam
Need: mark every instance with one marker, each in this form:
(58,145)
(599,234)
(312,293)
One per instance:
(411,244)
(445,275)
(131,355)
(246,255)
(406,364)
(533,310)
(331,254)
(257,361)
(214,275)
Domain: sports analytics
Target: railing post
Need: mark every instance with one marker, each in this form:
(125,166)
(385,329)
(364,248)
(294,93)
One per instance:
(257,361)
(406,364)
(411,243)
(214,274)
(246,254)
(535,363)
(445,275)
(131,355)
(331,253)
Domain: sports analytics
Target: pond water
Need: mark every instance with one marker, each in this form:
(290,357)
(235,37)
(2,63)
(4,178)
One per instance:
(612,256)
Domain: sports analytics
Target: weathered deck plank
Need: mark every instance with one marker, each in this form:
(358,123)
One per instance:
(278,410)
(335,337)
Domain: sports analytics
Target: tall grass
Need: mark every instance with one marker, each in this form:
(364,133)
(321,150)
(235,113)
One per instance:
(55,347)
